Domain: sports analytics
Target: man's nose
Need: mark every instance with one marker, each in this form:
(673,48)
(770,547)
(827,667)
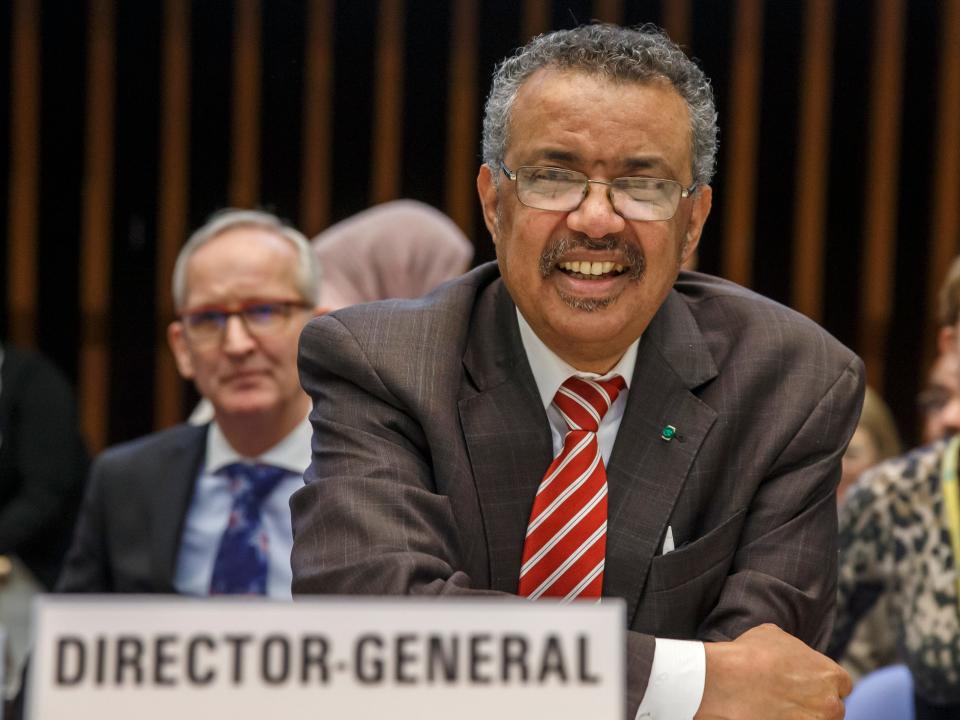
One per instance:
(237,340)
(596,217)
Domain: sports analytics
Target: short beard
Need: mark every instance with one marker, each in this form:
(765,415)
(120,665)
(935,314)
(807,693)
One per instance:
(554,251)
(588,304)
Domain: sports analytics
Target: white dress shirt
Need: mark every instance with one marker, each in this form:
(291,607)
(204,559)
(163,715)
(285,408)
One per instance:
(678,673)
(210,507)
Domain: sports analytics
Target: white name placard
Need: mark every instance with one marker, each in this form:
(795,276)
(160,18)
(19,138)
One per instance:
(109,657)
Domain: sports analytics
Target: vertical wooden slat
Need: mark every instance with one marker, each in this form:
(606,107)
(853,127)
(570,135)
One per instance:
(24,172)
(388,103)
(174,204)
(461,197)
(317,116)
(610,11)
(96,231)
(245,175)
(536,18)
(740,178)
(880,212)
(945,230)
(676,17)
(810,209)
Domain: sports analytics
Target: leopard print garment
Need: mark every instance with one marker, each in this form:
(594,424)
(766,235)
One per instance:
(893,541)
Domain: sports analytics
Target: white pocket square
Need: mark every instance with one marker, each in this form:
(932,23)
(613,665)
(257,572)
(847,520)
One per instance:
(668,541)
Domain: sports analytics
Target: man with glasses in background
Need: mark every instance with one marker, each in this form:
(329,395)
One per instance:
(696,428)
(939,401)
(204,510)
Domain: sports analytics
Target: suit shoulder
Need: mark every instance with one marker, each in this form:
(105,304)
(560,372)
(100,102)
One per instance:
(392,329)
(755,321)
(451,299)
(148,448)
(698,289)
(22,368)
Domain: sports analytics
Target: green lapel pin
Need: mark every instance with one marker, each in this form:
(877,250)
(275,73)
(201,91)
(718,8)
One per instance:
(668,433)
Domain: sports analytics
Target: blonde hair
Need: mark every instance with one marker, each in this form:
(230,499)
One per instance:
(950,295)
(877,420)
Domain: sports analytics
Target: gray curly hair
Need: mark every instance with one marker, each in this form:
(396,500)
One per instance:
(640,55)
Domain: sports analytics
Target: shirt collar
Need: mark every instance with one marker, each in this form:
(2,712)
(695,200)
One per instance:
(549,371)
(291,453)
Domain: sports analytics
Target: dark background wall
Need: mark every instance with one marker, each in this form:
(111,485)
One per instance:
(126,122)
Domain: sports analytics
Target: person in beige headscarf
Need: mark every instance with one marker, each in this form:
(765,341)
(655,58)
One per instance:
(400,249)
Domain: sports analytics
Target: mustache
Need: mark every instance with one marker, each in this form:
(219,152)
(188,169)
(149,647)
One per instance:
(633,257)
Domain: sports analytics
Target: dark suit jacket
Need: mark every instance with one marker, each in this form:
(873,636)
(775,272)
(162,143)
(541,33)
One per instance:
(430,441)
(43,462)
(131,522)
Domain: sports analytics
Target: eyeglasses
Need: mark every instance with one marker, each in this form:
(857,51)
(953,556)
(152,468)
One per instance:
(561,190)
(206,325)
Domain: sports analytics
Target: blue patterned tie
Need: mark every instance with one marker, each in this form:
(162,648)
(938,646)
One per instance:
(240,567)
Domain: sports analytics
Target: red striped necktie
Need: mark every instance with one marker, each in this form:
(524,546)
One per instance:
(566,542)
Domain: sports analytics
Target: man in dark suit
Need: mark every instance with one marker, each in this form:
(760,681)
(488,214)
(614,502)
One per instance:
(43,465)
(43,462)
(696,428)
(203,510)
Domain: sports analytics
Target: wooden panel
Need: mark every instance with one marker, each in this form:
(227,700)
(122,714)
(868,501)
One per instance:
(174,198)
(880,212)
(945,231)
(676,20)
(809,229)
(740,178)
(388,103)
(536,19)
(245,166)
(461,194)
(610,11)
(24,172)
(97,230)
(317,113)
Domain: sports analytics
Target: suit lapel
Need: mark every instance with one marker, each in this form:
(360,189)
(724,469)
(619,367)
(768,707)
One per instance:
(170,485)
(505,430)
(508,438)
(646,473)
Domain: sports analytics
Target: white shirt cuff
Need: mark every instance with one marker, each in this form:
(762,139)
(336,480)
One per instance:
(677,676)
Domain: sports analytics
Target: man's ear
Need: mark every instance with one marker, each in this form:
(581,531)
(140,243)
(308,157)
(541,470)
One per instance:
(702,202)
(488,200)
(180,350)
(947,339)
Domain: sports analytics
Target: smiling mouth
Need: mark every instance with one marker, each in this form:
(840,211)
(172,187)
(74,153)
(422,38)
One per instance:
(619,258)
(592,270)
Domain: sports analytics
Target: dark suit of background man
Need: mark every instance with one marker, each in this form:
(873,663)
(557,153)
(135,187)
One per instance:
(433,423)
(157,509)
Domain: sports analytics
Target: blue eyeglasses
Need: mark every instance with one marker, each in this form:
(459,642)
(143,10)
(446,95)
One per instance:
(206,325)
